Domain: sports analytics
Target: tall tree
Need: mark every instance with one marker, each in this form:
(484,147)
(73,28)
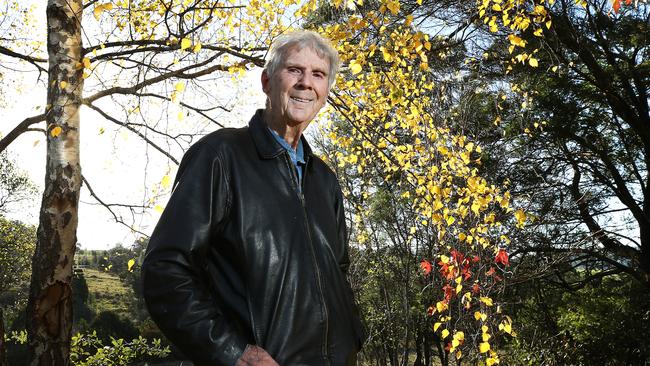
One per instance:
(49,311)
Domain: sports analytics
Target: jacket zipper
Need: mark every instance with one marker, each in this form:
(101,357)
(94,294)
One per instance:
(301,196)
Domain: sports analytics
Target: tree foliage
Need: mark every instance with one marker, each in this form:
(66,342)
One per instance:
(15,185)
(17,242)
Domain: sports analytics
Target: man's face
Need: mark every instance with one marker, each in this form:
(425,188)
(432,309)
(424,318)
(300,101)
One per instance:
(298,89)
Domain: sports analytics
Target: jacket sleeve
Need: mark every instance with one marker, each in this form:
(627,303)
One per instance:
(176,291)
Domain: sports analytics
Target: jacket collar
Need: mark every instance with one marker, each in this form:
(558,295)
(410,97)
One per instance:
(265,143)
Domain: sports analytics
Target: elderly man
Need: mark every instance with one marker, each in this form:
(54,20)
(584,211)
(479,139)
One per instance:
(247,265)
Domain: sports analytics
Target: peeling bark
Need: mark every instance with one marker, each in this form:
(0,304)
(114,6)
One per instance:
(49,310)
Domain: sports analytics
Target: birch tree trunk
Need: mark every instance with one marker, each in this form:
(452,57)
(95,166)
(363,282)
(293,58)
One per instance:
(49,310)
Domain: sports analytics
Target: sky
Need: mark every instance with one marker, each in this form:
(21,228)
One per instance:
(119,167)
(111,161)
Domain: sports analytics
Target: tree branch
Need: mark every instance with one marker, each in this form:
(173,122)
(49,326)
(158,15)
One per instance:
(20,129)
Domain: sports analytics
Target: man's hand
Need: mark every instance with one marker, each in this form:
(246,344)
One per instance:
(255,356)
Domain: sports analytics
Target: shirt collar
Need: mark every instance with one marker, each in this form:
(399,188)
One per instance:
(298,152)
(267,146)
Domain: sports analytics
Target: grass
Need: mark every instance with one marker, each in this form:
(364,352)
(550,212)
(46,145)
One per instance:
(108,292)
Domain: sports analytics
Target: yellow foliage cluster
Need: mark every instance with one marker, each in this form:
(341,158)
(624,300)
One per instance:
(386,97)
(516,17)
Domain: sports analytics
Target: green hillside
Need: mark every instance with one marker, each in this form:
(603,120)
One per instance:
(108,292)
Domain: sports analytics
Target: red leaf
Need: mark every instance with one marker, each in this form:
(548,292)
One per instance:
(449,292)
(616,5)
(457,256)
(426,266)
(476,289)
(502,257)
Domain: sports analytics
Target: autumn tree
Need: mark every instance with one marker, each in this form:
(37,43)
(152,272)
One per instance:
(394,105)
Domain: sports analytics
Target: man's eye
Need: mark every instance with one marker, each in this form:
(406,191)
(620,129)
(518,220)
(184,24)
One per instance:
(319,75)
(294,70)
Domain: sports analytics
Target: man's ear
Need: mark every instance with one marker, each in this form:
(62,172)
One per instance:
(265,81)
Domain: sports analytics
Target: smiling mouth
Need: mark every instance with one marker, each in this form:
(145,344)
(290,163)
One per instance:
(301,100)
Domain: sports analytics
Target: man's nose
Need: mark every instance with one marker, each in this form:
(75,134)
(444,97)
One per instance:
(306,81)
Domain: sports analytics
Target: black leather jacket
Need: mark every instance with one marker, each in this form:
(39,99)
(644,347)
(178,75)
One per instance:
(241,257)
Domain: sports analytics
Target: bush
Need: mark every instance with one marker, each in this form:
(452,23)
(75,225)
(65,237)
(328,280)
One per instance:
(109,325)
(89,350)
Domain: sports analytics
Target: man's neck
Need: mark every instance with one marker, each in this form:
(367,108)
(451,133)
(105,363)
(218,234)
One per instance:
(290,133)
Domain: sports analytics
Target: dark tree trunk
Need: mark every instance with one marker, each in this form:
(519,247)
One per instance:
(3,355)
(49,309)
(428,342)
(419,344)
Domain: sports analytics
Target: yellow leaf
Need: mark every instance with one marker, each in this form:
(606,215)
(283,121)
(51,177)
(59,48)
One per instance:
(450,220)
(477,315)
(99,9)
(436,326)
(355,67)
(158,208)
(444,333)
(196,48)
(63,84)
(484,347)
(533,62)
(459,335)
(486,300)
(56,131)
(180,115)
(179,86)
(441,306)
(130,264)
(101,131)
(393,6)
(165,181)
(185,43)
(86,62)
(520,215)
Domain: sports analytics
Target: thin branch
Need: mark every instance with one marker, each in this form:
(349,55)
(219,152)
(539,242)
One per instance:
(130,128)
(32,60)
(108,206)
(22,127)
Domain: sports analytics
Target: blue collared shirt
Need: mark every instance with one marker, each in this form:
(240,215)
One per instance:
(297,156)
